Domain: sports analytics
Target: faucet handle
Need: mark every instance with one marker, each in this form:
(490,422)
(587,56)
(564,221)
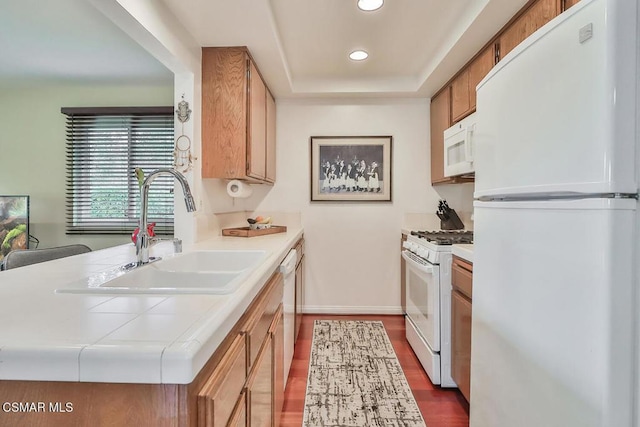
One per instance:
(177,246)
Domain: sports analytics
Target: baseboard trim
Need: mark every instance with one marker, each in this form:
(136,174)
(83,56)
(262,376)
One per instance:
(327,309)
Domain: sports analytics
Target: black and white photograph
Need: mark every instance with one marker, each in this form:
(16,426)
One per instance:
(351,168)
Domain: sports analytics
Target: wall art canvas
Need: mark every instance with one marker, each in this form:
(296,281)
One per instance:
(351,168)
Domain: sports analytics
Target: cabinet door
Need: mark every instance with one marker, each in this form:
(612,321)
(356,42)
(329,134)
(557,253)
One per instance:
(239,415)
(271,138)
(256,140)
(259,388)
(440,120)
(299,297)
(279,381)
(260,316)
(566,4)
(533,18)
(224,112)
(461,342)
(220,393)
(460,99)
(478,69)
(462,276)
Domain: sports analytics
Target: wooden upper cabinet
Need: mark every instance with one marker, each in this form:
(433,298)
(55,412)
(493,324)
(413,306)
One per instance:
(478,70)
(440,120)
(257,138)
(460,99)
(538,14)
(463,87)
(566,4)
(235,117)
(271,138)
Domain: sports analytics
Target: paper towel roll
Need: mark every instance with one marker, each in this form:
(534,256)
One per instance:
(237,188)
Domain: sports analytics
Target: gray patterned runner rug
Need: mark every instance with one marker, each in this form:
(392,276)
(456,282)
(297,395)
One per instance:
(355,378)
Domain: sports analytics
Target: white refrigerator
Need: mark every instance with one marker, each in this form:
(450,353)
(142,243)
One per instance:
(555,276)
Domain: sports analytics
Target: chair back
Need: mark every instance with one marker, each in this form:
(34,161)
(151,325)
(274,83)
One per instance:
(23,257)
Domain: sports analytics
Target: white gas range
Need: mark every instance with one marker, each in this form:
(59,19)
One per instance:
(427,258)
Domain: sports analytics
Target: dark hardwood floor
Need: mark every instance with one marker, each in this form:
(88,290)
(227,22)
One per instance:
(440,407)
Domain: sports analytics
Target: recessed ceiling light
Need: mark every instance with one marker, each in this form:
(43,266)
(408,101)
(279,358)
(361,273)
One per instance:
(358,55)
(369,5)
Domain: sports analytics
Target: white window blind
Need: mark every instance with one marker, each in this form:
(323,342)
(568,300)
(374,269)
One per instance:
(104,146)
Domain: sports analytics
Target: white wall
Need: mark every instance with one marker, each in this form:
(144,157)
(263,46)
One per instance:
(32,148)
(151,24)
(352,249)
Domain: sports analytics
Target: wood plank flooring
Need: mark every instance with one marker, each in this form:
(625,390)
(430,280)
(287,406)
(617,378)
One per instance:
(440,407)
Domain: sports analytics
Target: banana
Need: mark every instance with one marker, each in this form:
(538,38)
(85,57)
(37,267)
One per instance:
(266,220)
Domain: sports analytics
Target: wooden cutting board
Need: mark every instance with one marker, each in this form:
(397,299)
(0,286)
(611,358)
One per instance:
(248,232)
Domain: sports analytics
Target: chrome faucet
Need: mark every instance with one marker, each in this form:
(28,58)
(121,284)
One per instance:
(143,240)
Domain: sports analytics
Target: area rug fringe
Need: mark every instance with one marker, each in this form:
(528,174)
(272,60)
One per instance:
(355,378)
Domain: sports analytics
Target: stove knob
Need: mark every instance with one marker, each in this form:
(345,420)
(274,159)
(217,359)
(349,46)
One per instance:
(406,244)
(423,253)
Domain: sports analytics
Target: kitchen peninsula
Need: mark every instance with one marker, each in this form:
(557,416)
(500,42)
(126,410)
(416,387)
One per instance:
(134,359)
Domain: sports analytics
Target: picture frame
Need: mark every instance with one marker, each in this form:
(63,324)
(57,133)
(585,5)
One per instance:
(351,168)
(14,224)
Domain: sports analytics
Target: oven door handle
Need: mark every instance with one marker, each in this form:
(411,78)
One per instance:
(428,269)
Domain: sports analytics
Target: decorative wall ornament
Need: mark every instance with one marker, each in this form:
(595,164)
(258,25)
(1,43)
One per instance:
(183,111)
(351,168)
(182,158)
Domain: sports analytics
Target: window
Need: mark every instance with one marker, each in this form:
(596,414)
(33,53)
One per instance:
(104,146)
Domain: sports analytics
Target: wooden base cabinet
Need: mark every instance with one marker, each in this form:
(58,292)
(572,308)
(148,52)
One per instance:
(241,385)
(260,388)
(278,381)
(239,415)
(461,325)
(245,374)
(219,396)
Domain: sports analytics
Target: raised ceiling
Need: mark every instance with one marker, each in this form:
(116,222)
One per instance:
(302,46)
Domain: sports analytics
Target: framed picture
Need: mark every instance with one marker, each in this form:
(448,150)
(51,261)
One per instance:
(351,168)
(14,223)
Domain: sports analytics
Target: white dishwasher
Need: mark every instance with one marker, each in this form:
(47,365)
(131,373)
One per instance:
(288,270)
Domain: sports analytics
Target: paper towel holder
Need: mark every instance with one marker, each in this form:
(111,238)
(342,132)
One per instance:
(239,189)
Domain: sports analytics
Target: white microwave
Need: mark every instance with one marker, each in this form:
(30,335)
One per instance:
(458,147)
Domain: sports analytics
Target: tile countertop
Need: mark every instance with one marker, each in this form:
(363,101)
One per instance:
(463,251)
(155,339)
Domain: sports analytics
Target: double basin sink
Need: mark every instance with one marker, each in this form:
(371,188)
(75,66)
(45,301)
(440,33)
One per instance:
(199,272)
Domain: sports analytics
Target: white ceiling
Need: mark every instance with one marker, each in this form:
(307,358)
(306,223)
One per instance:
(71,41)
(300,46)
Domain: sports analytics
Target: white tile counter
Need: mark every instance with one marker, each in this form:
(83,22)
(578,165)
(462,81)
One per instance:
(155,339)
(463,251)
